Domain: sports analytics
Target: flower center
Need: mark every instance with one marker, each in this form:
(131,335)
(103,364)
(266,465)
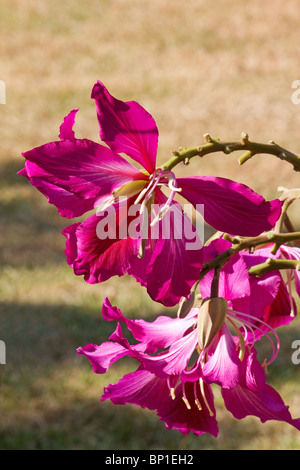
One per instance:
(158,178)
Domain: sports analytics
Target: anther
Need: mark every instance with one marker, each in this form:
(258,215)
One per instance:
(187,403)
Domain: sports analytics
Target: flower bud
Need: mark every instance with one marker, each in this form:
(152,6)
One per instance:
(211,316)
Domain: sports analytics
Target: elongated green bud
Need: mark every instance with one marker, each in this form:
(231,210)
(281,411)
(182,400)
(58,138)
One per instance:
(211,317)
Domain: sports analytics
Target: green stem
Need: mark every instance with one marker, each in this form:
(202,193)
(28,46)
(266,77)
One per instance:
(247,243)
(250,148)
(274,264)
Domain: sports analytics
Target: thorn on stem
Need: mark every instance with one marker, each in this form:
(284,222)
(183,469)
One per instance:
(208,138)
(245,137)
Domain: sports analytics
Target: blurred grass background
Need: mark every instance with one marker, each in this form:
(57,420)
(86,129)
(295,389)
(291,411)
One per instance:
(197,67)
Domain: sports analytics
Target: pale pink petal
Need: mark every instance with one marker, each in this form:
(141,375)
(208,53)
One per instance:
(223,365)
(175,360)
(161,333)
(103,356)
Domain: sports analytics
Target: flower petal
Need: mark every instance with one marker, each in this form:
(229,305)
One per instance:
(175,263)
(126,127)
(66,129)
(175,360)
(223,364)
(103,356)
(198,419)
(160,333)
(291,252)
(229,206)
(234,280)
(68,204)
(265,403)
(67,170)
(139,388)
(98,258)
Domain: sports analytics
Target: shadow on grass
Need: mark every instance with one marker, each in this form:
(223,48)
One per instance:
(51,397)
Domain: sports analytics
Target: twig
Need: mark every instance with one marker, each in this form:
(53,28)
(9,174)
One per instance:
(250,148)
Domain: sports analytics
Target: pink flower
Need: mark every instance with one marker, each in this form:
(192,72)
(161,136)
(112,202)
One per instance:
(77,175)
(176,384)
(268,296)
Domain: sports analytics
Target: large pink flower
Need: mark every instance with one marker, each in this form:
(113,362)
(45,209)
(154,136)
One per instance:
(77,175)
(178,389)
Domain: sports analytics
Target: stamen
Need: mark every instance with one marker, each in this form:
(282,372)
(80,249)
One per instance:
(241,339)
(197,402)
(172,389)
(187,403)
(201,383)
(253,325)
(154,180)
(174,188)
(109,201)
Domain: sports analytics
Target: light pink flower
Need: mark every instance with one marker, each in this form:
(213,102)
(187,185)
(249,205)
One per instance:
(177,385)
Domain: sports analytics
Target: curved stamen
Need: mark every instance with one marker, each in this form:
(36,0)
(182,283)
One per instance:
(252,325)
(153,182)
(174,189)
(241,339)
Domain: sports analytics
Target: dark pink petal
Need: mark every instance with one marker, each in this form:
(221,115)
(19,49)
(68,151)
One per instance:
(223,365)
(254,373)
(280,312)
(177,416)
(66,129)
(229,206)
(67,170)
(234,282)
(160,333)
(98,259)
(126,127)
(176,260)
(265,403)
(68,204)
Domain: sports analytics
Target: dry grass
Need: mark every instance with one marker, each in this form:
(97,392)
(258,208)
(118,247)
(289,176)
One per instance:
(198,67)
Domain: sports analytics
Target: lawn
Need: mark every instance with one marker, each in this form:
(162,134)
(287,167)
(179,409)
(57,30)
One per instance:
(197,67)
